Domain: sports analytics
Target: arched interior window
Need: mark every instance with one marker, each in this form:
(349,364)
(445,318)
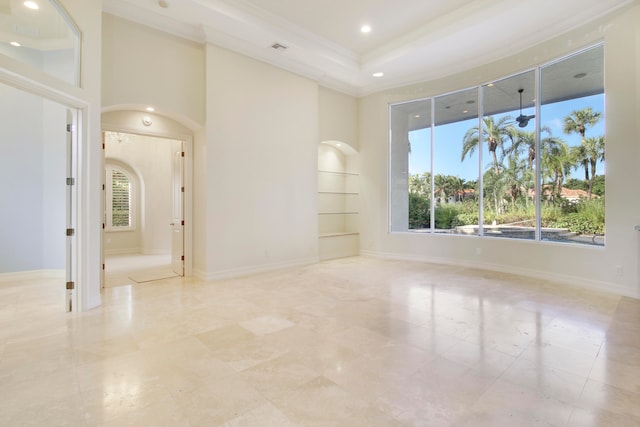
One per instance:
(41,35)
(120,201)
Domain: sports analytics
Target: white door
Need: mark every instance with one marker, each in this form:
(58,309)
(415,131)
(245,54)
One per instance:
(177,218)
(71,296)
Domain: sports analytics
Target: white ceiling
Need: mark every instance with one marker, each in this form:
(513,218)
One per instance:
(410,41)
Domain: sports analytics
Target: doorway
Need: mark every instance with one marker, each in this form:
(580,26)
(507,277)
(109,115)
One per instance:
(38,184)
(143,239)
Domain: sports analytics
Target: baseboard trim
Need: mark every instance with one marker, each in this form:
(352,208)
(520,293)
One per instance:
(254,269)
(579,282)
(34,274)
(126,251)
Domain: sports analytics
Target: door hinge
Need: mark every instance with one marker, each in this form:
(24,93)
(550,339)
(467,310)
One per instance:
(182,258)
(103,187)
(182,189)
(71,286)
(70,128)
(71,181)
(70,232)
(103,145)
(182,154)
(182,222)
(103,266)
(103,225)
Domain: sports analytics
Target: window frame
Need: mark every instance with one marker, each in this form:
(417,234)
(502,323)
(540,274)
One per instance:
(108,202)
(396,167)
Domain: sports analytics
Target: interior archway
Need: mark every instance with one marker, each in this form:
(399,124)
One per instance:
(156,131)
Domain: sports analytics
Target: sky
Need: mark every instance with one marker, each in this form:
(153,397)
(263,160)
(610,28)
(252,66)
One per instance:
(448,139)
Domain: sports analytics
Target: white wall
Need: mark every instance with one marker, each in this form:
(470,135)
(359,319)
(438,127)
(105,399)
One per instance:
(20,181)
(32,175)
(337,117)
(143,66)
(261,158)
(586,266)
(149,158)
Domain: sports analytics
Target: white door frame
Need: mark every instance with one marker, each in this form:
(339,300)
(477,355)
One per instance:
(187,182)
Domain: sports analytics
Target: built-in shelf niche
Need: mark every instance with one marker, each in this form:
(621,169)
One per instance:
(338,205)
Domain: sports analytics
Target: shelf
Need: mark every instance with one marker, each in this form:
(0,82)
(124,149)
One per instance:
(339,234)
(337,204)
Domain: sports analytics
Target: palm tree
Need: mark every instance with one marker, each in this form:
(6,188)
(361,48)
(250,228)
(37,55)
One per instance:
(456,184)
(594,148)
(578,120)
(426,182)
(420,184)
(496,134)
(440,187)
(555,163)
(494,189)
(587,154)
(525,143)
(515,176)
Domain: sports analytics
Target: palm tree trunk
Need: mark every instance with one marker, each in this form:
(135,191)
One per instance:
(593,177)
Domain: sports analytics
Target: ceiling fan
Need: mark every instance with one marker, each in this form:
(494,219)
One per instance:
(523,120)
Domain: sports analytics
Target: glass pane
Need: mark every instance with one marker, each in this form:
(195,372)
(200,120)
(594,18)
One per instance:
(41,36)
(573,149)
(509,155)
(456,163)
(410,159)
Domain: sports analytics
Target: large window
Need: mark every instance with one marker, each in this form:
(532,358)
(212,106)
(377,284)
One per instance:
(519,157)
(119,203)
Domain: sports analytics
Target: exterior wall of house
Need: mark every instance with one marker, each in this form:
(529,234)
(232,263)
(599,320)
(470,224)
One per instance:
(585,266)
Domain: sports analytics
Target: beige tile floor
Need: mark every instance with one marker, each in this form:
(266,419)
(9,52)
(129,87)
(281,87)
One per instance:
(353,342)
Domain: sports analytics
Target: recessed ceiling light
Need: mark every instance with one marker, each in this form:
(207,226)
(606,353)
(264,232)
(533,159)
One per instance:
(16,44)
(378,74)
(338,145)
(465,111)
(365,29)
(490,85)
(163,4)
(150,109)
(31,5)
(417,116)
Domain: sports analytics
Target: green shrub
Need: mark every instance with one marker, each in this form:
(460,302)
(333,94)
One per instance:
(587,217)
(419,213)
(465,219)
(445,216)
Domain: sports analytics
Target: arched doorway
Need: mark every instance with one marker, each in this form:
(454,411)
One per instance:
(159,246)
